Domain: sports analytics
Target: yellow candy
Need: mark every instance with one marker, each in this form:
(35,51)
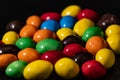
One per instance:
(64,32)
(71,10)
(106,57)
(81,25)
(38,70)
(67,68)
(10,37)
(114,43)
(112,29)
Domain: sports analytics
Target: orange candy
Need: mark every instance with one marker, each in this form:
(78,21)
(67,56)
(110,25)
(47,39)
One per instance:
(34,20)
(6,59)
(43,34)
(28,55)
(28,31)
(95,43)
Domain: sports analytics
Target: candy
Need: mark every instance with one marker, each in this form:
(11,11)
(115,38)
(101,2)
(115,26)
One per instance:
(67,68)
(42,34)
(112,30)
(14,25)
(7,37)
(67,22)
(72,39)
(95,43)
(114,43)
(28,55)
(28,31)
(15,69)
(88,13)
(50,15)
(71,10)
(106,20)
(52,56)
(81,25)
(34,20)
(6,59)
(93,69)
(9,48)
(82,57)
(50,25)
(25,42)
(48,44)
(106,57)
(62,33)
(92,31)
(72,49)
(38,70)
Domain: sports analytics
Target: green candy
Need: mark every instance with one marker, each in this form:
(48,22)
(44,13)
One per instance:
(15,69)
(92,31)
(48,44)
(25,42)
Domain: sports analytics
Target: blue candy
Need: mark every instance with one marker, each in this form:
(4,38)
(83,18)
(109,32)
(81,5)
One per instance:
(50,25)
(67,22)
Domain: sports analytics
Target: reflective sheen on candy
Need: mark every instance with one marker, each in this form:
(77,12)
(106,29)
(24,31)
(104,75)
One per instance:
(106,20)
(34,20)
(112,30)
(50,15)
(92,69)
(10,37)
(95,43)
(15,69)
(28,31)
(106,57)
(14,25)
(38,70)
(67,68)
(81,25)
(9,48)
(6,59)
(88,13)
(25,42)
(114,43)
(72,39)
(43,34)
(71,10)
(92,31)
(28,55)
(50,25)
(48,44)
(52,56)
(62,33)
(67,22)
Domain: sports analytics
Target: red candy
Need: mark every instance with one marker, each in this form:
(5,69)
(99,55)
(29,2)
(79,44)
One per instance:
(52,56)
(87,13)
(93,69)
(50,15)
(72,49)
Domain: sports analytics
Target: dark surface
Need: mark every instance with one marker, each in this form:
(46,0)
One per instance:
(21,9)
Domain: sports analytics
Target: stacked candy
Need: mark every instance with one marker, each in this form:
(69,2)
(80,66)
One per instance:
(73,42)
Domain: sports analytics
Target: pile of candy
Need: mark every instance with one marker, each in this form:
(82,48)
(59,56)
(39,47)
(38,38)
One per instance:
(73,42)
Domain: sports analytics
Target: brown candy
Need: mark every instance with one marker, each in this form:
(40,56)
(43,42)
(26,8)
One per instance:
(106,20)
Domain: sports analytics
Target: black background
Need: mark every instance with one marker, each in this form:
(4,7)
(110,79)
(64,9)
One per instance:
(22,9)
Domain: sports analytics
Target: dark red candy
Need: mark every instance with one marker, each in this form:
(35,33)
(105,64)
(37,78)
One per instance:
(72,49)
(1,43)
(88,13)
(50,15)
(82,57)
(52,56)
(9,48)
(106,20)
(73,39)
(14,25)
